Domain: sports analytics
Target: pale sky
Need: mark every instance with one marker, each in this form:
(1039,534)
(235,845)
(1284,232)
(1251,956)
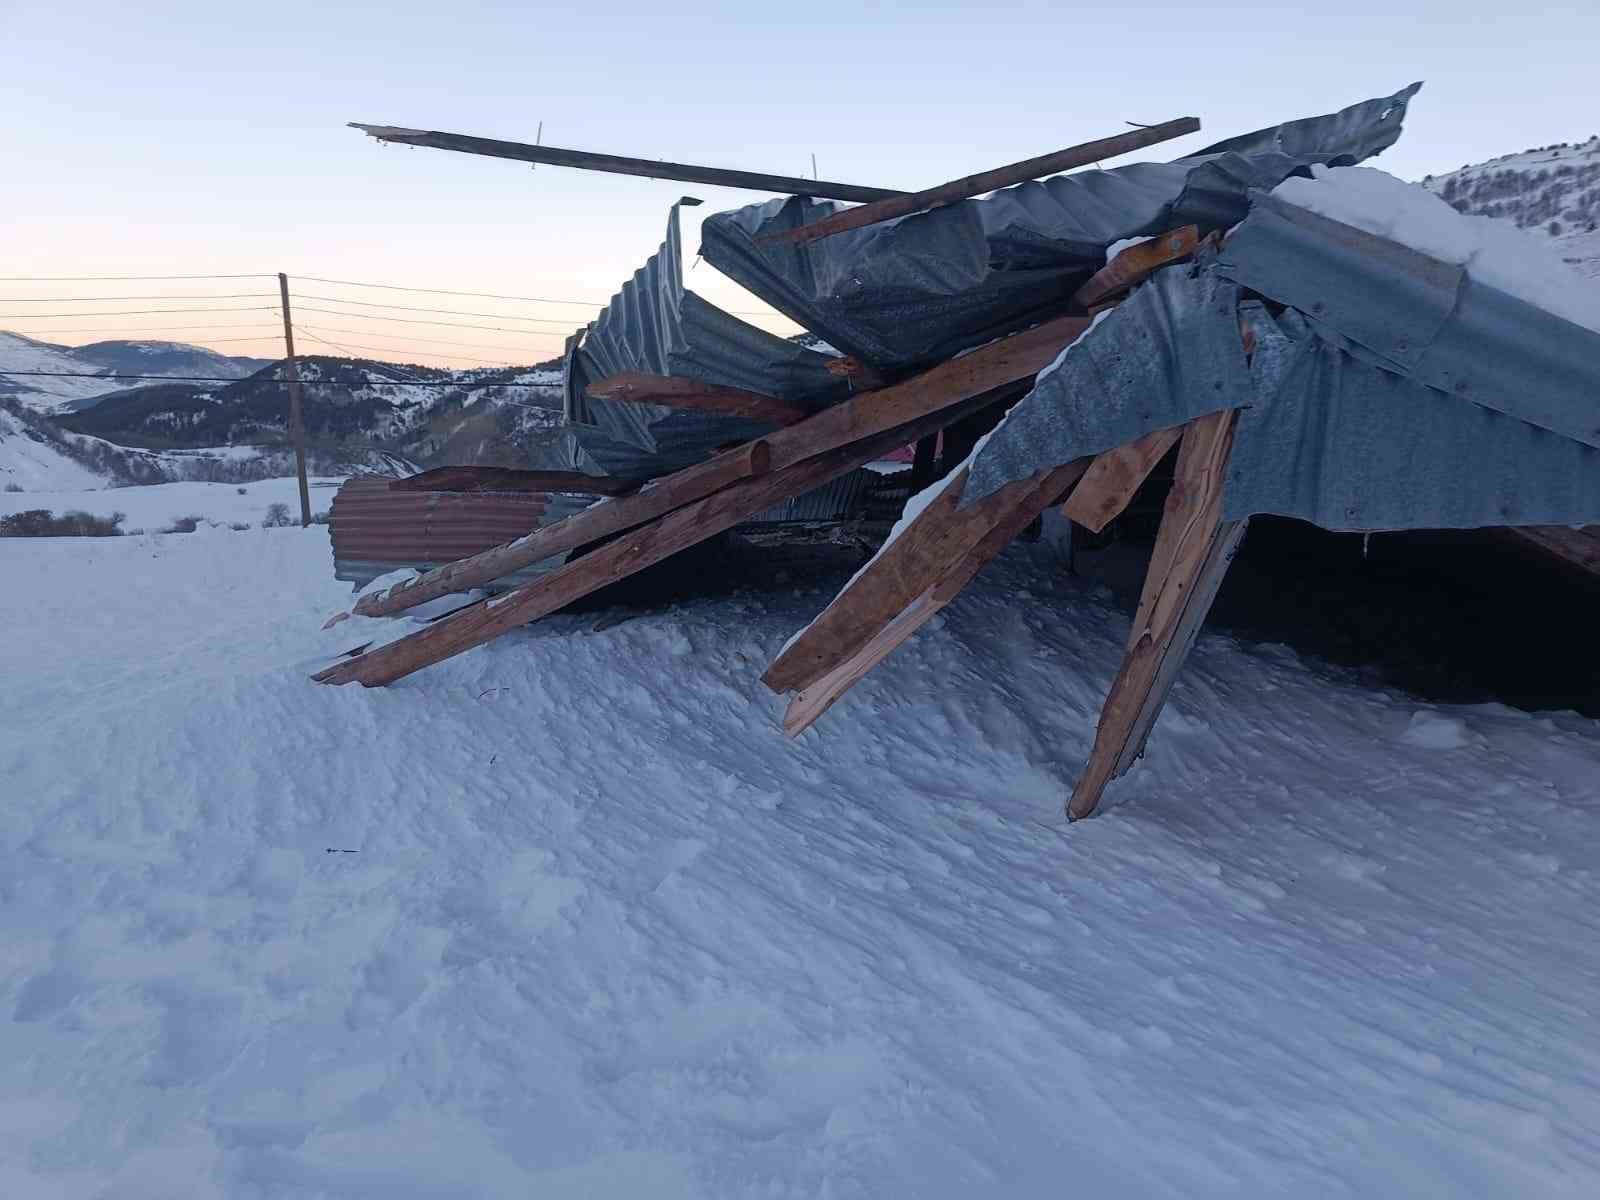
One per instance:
(178,138)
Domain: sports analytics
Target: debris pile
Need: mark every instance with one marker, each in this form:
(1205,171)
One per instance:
(1264,309)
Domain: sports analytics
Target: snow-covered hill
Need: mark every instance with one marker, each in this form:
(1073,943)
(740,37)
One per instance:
(104,360)
(1553,189)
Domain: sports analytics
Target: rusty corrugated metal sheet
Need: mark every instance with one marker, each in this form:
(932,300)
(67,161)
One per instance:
(376,530)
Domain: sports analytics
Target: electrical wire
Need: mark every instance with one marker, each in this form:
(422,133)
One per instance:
(336,312)
(394,350)
(139,312)
(448,312)
(409,338)
(107,278)
(109,299)
(394,287)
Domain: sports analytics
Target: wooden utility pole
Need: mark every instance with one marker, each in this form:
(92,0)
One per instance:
(297,429)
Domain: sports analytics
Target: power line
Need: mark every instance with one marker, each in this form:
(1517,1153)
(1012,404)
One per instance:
(449,312)
(394,287)
(139,329)
(414,321)
(394,350)
(107,278)
(139,312)
(108,299)
(410,338)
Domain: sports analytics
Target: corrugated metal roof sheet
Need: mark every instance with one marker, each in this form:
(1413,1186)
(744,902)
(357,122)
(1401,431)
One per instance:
(919,289)
(376,530)
(1355,417)
(654,324)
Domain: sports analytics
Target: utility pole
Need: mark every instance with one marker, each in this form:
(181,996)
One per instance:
(297,429)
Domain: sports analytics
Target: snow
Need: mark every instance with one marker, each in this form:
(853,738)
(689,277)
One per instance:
(156,505)
(1492,251)
(34,465)
(567,917)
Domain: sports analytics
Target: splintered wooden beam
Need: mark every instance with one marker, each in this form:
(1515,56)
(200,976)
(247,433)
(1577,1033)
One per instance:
(1114,477)
(511,479)
(1006,513)
(976,373)
(612,164)
(1186,566)
(984,181)
(677,391)
(615,560)
(1136,264)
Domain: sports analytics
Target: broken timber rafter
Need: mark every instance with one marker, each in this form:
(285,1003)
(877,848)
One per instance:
(1004,515)
(632,552)
(677,391)
(612,164)
(984,181)
(1192,551)
(976,373)
(1112,479)
(1136,264)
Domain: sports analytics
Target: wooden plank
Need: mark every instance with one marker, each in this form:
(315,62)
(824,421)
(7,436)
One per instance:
(634,551)
(676,391)
(984,181)
(1024,500)
(1186,542)
(1219,555)
(1113,478)
(1576,549)
(511,479)
(1135,264)
(951,383)
(613,164)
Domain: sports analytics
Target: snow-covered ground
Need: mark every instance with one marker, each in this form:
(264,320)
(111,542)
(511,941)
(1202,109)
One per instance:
(567,917)
(155,506)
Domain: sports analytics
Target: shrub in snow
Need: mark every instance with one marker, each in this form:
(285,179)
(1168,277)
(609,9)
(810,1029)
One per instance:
(242,491)
(277,516)
(41,522)
(184,524)
(13,487)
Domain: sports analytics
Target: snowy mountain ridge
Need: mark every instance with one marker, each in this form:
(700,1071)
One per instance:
(1554,190)
(103,361)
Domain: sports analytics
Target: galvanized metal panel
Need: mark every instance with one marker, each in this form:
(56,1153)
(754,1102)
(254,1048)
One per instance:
(911,291)
(654,324)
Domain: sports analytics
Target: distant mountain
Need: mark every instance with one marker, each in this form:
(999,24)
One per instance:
(103,361)
(1554,190)
(426,415)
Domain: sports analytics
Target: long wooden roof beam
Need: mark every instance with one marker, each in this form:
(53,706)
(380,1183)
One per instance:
(983,182)
(613,164)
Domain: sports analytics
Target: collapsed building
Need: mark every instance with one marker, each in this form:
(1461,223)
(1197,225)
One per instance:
(1310,339)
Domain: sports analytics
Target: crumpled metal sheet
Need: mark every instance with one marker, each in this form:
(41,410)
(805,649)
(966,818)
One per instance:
(1169,353)
(1428,319)
(1337,439)
(655,324)
(919,289)
(1332,430)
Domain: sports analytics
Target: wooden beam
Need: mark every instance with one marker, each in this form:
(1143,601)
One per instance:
(1019,503)
(612,164)
(511,479)
(643,547)
(1136,264)
(951,383)
(1186,554)
(1113,478)
(984,181)
(677,391)
(1573,548)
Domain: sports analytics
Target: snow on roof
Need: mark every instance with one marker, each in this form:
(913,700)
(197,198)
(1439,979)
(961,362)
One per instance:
(1491,251)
